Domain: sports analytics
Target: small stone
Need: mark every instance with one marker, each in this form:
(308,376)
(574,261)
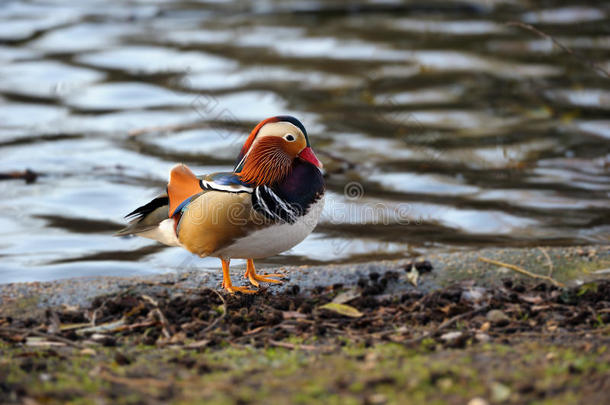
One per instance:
(98,336)
(451,336)
(482,337)
(499,392)
(477,401)
(444,383)
(377,399)
(88,352)
(44,377)
(473,294)
(498,318)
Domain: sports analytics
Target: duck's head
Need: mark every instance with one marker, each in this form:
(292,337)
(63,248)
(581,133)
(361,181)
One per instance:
(271,150)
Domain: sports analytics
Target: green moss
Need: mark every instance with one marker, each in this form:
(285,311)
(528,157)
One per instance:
(352,374)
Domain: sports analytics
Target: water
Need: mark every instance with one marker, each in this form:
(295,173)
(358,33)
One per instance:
(441,127)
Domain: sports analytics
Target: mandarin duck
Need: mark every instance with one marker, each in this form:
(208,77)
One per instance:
(270,202)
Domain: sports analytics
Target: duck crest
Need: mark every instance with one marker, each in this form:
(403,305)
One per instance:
(248,144)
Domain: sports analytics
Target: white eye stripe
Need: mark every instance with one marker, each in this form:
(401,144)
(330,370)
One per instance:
(289,137)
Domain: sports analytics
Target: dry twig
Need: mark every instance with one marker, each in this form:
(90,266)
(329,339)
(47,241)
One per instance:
(49,336)
(143,384)
(593,65)
(522,271)
(548,260)
(292,346)
(446,324)
(220,318)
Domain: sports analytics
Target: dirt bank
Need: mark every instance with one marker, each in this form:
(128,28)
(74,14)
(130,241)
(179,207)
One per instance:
(391,332)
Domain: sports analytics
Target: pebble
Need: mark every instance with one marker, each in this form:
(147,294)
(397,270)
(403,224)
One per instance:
(478,401)
(499,392)
(473,294)
(451,336)
(88,352)
(482,337)
(497,317)
(377,399)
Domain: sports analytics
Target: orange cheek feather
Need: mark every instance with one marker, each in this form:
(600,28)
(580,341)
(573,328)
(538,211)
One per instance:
(267,163)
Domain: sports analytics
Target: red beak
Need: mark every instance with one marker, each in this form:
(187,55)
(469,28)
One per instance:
(308,156)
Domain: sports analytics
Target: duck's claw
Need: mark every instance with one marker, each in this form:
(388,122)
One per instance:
(254,278)
(263,278)
(226,281)
(244,290)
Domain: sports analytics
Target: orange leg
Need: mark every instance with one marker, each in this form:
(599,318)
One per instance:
(255,278)
(226,280)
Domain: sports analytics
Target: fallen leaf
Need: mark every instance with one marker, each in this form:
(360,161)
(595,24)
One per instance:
(254,331)
(71,326)
(198,344)
(531,299)
(293,315)
(446,309)
(178,337)
(106,327)
(41,342)
(413,276)
(346,296)
(342,309)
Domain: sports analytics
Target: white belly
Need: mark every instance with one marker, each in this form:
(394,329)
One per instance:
(274,239)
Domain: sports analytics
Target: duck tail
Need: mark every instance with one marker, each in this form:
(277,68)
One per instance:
(146,217)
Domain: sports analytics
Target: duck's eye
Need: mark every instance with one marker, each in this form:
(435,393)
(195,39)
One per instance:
(289,137)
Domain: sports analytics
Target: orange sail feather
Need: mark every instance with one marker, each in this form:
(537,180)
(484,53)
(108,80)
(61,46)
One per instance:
(182,184)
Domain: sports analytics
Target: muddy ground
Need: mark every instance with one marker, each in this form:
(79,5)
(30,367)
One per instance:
(378,337)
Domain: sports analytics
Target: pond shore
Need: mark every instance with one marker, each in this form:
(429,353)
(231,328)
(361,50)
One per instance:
(448,328)
(570,265)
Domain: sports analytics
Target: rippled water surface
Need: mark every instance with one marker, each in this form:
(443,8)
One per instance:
(441,127)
